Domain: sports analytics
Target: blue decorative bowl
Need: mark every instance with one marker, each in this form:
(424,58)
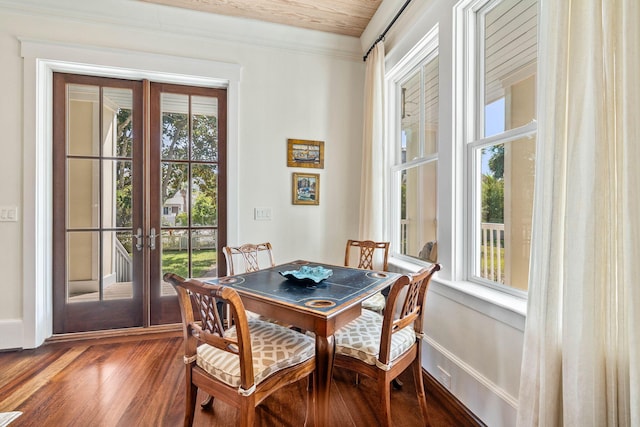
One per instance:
(308,274)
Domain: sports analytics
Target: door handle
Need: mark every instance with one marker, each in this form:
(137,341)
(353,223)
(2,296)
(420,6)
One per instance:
(139,241)
(152,239)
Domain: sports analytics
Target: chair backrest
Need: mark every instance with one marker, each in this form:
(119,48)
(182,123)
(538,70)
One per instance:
(253,256)
(367,253)
(410,292)
(202,324)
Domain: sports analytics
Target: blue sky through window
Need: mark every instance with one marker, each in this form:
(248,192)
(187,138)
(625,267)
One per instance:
(494,116)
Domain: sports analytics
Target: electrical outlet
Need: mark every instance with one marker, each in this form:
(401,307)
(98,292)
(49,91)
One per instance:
(444,377)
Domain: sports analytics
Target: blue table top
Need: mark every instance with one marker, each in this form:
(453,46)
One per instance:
(345,285)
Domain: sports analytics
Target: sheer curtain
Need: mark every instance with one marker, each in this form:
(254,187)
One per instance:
(373,170)
(581,355)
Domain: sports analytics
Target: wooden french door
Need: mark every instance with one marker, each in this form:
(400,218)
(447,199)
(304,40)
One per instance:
(138,190)
(187,168)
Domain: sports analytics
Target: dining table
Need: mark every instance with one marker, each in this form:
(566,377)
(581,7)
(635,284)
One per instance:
(321,308)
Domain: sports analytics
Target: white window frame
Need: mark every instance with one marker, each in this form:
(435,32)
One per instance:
(423,52)
(469,70)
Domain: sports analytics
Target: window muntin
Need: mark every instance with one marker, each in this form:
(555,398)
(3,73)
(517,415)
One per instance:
(414,176)
(502,150)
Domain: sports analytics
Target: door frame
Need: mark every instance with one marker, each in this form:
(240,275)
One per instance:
(40,61)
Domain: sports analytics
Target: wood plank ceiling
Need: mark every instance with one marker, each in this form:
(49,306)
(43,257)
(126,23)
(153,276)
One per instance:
(346,17)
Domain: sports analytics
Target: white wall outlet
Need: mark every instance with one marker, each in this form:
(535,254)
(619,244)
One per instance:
(9,214)
(444,377)
(262,214)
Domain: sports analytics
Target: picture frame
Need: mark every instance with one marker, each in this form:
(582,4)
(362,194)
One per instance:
(305,189)
(303,153)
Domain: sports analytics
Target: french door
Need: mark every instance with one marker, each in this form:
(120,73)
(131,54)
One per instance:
(139,189)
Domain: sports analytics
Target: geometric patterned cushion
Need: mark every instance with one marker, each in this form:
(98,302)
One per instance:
(375,303)
(360,339)
(273,348)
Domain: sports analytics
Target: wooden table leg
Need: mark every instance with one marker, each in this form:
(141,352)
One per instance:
(325,350)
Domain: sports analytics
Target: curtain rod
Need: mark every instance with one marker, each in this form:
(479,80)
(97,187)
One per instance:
(384,33)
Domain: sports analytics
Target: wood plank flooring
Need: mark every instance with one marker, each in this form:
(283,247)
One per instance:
(139,381)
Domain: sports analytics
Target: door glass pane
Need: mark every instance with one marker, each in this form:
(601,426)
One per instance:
(204,193)
(175,256)
(175,250)
(506,209)
(205,128)
(83,193)
(418,224)
(204,253)
(83,267)
(431,96)
(510,51)
(117,122)
(410,118)
(117,266)
(82,114)
(175,126)
(117,196)
(175,194)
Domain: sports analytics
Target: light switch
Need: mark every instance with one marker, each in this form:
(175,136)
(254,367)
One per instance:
(8,214)
(262,214)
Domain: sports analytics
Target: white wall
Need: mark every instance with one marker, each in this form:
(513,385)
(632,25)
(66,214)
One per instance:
(293,83)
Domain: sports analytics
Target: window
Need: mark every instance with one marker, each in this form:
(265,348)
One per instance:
(415,165)
(500,138)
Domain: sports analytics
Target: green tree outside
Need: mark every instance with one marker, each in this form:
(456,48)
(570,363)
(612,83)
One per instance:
(493,201)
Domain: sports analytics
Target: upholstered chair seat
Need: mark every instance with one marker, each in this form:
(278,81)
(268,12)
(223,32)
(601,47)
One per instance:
(360,339)
(273,348)
(375,303)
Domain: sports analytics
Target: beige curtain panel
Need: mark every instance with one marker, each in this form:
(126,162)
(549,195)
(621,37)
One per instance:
(581,360)
(373,176)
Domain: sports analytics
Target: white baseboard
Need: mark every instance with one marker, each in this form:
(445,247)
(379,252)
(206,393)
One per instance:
(490,403)
(11,334)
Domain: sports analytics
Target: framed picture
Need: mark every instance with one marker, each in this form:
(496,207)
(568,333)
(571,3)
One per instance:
(305,189)
(305,154)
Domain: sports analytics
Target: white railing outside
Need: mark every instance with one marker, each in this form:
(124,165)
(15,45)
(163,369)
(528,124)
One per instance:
(123,265)
(491,251)
(180,242)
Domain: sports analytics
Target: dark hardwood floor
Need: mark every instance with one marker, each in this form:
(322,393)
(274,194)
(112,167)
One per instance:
(139,381)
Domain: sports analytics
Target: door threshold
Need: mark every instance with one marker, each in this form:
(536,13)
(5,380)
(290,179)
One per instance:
(125,334)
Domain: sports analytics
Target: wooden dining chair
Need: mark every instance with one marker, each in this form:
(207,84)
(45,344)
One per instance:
(383,346)
(252,256)
(241,365)
(247,258)
(368,253)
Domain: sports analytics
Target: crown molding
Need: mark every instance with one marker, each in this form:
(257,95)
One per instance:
(142,16)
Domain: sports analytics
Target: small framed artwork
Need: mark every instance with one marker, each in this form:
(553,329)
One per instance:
(305,154)
(305,189)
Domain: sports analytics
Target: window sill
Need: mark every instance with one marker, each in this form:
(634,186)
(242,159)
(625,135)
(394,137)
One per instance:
(503,307)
